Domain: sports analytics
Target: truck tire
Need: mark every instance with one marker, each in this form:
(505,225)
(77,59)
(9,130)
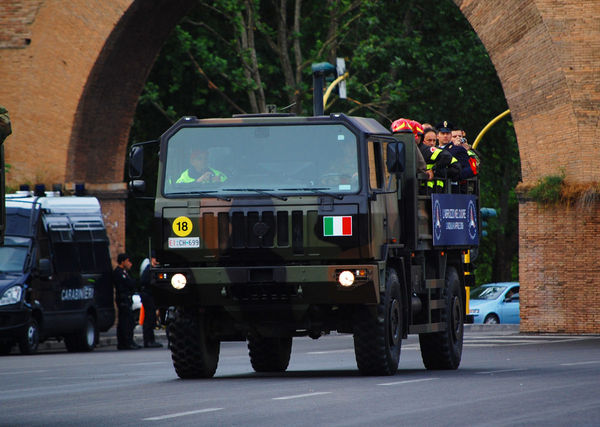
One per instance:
(30,340)
(84,340)
(443,350)
(269,354)
(194,354)
(378,339)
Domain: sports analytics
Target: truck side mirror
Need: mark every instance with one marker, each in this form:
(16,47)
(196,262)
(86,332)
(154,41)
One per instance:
(136,162)
(395,157)
(45,268)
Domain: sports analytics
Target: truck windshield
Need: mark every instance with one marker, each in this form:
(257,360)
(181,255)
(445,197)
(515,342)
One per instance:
(267,160)
(13,254)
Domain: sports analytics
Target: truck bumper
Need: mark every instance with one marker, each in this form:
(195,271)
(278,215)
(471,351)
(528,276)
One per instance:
(223,286)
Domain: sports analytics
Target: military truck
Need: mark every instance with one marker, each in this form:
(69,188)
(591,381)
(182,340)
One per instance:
(55,272)
(305,226)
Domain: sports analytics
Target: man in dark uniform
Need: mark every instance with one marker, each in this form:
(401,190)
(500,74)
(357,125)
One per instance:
(443,164)
(458,152)
(125,287)
(149,306)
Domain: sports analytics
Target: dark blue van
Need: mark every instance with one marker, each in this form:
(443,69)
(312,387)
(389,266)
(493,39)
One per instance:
(55,273)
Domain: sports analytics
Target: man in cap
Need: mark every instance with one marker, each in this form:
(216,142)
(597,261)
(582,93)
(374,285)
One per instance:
(444,133)
(445,130)
(438,160)
(124,287)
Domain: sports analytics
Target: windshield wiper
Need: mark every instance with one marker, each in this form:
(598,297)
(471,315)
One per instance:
(263,191)
(315,190)
(204,193)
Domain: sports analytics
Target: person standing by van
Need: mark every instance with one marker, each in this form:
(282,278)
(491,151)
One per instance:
(124,287)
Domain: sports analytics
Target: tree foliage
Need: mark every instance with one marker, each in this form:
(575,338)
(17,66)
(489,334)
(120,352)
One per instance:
(417,59)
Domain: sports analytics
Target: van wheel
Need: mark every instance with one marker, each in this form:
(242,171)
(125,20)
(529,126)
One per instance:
(30,340)
(84,340)
(194,353)
(443,350)
(269,354)
(378,338)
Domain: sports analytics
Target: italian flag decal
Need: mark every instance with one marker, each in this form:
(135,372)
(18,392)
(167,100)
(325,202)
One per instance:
(337,226)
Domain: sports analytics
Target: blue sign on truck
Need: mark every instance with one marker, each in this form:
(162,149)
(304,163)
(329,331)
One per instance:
(455,220)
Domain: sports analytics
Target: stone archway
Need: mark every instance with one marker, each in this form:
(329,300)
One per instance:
(71,75)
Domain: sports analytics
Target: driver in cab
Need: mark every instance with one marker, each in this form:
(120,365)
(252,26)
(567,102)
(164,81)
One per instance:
(199,170)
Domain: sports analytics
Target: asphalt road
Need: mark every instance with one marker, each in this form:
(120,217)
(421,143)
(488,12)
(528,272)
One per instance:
(504,379)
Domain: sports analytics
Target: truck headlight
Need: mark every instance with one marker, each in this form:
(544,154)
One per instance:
(346,278)
(11,295)
(474,311)
(178,281)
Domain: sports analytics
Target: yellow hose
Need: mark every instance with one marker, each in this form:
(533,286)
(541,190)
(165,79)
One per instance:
(332,85)
(488,126)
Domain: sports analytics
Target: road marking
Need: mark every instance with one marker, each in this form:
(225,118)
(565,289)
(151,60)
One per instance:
(591,362)
(143,363)
(409,381)
(501,371)
(299,396)
(181,414)
(345,350)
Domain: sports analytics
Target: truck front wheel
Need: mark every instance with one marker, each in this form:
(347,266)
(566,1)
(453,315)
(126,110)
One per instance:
(443,350)
(194,353)
(378,338)
(269,354)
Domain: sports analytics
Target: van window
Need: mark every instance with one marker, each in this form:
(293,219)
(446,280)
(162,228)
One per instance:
(92,244)
(64,254)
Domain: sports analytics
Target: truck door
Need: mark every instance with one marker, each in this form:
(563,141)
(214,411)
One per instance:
(383,201)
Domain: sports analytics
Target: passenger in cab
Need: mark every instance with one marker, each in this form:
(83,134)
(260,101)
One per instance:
(199,171)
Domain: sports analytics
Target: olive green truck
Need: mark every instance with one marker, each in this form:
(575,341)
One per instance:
(303,226)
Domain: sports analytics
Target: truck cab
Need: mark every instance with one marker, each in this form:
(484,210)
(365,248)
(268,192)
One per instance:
(55,272)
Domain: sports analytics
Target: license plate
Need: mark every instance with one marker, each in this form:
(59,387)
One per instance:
(184,242)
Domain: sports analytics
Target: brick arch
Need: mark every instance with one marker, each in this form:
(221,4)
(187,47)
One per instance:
(107,105)
(71,89)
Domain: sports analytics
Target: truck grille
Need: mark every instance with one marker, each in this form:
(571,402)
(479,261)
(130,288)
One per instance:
(254,229)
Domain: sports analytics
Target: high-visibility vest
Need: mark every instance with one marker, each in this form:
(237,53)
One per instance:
(185,176)
(438,182)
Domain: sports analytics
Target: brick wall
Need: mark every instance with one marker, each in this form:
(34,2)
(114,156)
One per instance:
(16,17)
(559,269)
